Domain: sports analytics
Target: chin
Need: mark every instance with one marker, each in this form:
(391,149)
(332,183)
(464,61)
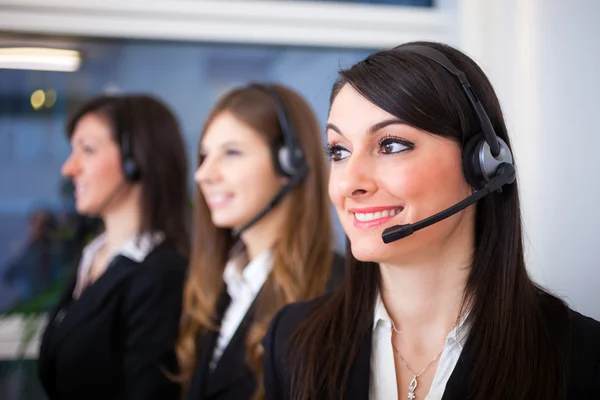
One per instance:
(369,250)
(84,209)
(226,222)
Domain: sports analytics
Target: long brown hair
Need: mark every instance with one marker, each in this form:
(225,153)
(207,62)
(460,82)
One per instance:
(303,252)
(518,331)
(158,150)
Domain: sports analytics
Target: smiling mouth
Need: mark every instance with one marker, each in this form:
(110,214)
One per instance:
(218,200)
(377,215)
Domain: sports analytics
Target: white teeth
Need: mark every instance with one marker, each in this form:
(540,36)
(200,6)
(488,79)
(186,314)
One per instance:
(218,198)
(376,215)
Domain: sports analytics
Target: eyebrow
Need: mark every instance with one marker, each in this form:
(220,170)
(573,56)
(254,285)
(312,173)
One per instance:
(373,129)
(229,143)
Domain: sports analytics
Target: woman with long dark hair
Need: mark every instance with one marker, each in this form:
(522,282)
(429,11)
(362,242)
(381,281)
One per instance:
(441,309)
(112,334)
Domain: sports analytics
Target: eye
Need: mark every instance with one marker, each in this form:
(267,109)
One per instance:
(232,152)
(201,158)
(88,149)
(394,145)
(336,152)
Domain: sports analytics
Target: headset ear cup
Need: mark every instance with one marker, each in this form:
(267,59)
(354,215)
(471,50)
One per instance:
(284,161)
(470,161)
(130,170)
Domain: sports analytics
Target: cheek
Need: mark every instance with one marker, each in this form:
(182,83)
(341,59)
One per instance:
(334,193)
(105,171)
(257,179)
(429,187)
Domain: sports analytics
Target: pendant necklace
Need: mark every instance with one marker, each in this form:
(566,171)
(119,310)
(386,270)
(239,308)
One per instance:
(413,382)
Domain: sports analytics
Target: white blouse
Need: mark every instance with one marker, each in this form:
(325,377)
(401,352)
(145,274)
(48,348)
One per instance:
(383,371)
(243,285)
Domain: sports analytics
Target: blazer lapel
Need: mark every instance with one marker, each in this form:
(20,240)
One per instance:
(360,372)
(205,346)
(232,364)
(76,311)
(459,386)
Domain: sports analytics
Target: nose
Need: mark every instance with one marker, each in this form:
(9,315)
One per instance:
(71,166)
(356,177)
(208,171)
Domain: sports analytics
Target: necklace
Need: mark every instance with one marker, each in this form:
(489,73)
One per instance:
(413,382)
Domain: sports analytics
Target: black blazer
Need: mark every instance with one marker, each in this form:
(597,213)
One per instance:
(584,381)
(113,342)
(233,378)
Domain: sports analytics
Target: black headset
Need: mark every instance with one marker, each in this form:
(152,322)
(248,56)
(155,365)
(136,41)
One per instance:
(288,156)
(485,151)
(486,159)
(131,170)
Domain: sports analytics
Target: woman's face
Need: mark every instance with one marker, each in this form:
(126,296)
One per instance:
(236,177)
(94,165)
(386,173)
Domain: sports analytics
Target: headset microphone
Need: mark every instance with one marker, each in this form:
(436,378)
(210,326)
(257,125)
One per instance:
(505,175)
(288,187)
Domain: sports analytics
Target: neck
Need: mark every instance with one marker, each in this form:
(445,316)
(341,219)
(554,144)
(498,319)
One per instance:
(263,235)
(122,222)
(424,297)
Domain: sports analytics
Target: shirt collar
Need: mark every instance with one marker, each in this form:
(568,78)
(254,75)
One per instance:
(249,278)
(136,248)
(458,335)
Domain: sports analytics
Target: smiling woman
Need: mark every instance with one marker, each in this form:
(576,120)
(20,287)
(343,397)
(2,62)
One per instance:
(449,312)
(419,160)
(262,235)
(112,333)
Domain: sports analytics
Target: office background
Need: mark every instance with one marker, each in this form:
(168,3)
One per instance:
(542,57)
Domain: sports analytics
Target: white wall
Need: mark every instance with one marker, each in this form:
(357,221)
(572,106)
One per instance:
(543,58)
(569,85)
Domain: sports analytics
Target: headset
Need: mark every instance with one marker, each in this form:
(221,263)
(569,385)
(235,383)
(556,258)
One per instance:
(486,159)
(288,156)
(131,170)
(485,151)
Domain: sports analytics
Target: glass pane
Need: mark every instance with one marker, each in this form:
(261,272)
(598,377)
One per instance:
(40,233)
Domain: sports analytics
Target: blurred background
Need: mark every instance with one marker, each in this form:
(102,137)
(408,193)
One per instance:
(542,57)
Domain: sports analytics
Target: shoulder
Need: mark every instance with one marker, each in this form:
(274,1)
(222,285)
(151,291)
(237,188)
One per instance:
(165,257)
(161,263)
(289,317)
(584,353)
(275,342)
(584,337)
(584,328)
(163,271)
